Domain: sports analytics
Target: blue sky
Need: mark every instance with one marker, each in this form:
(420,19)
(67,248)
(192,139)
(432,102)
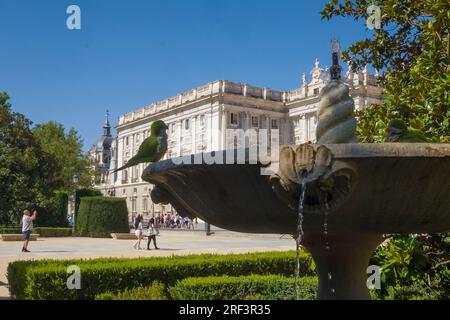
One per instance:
(129,54)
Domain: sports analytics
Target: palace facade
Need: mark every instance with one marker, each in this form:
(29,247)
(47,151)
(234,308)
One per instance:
(198,120)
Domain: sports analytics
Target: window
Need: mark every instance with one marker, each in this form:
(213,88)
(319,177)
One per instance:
(316,91)
(133,204)
(255,121)
(138,137)
(127,141)
(135,174)
(234,119)
(274,124)
(186,124)
(145,204)
(202,121)
(172,128)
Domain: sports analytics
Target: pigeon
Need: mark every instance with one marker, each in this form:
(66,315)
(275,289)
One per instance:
(397,131)
(153,148)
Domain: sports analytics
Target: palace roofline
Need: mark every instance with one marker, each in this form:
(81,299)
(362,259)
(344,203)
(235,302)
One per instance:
(220,87)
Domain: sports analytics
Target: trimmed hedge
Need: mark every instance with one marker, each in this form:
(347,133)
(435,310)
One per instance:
(46,279)
(42,231)
(10,230)
(53,232)
(155,292)
(101,216)
(253,287)
(80,193)
(260,287)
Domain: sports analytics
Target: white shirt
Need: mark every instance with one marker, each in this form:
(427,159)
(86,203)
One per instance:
(27,223)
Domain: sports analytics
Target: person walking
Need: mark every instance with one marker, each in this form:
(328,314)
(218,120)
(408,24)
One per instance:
(151,233)
(190,224)
(27,227)
(138,231)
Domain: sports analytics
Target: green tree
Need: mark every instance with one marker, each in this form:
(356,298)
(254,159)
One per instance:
(412,50)
(67,149)
(26,171)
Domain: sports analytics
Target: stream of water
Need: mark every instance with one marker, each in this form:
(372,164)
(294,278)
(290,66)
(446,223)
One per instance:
(298,239)
(325,234)
(300,233)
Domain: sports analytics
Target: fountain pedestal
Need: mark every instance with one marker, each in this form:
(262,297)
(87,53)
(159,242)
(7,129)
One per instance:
(342,266)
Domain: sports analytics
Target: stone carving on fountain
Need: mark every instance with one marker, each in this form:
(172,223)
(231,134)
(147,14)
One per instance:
(329,181)
(337,123)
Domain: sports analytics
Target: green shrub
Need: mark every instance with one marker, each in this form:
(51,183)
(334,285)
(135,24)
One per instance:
(80,193)
(55,214)
(10,230)
(53,232)
(45,279)
(155,292)
(100,216)
(418,292)
(261,287)
(414,267)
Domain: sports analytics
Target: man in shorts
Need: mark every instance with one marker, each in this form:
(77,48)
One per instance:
(27,227)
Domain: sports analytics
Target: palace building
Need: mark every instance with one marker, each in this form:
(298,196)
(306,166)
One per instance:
(198,120)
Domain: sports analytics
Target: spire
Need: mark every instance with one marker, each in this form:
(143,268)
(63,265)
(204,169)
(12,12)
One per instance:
(106,126)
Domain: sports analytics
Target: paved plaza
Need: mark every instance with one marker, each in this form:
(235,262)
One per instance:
(169,242)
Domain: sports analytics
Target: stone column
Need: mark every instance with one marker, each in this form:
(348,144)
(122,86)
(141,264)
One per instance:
(179,127)
(119,153)
(131,145)
(303,129)
(342,266)
(215,129)
(223,127)
(247,121)
(208,132)
(194,131)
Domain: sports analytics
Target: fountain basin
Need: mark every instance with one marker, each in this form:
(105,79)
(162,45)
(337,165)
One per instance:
(366,189)
(393,188)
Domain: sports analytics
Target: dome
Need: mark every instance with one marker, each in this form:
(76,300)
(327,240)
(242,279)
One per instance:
(104,143)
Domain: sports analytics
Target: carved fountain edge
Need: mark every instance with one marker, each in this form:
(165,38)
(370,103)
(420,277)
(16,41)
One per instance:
(329,180)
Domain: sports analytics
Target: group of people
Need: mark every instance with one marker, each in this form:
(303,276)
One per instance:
(174,221)
(164,221)
(151,233)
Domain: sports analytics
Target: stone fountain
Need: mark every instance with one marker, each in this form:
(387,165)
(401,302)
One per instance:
(354,193)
